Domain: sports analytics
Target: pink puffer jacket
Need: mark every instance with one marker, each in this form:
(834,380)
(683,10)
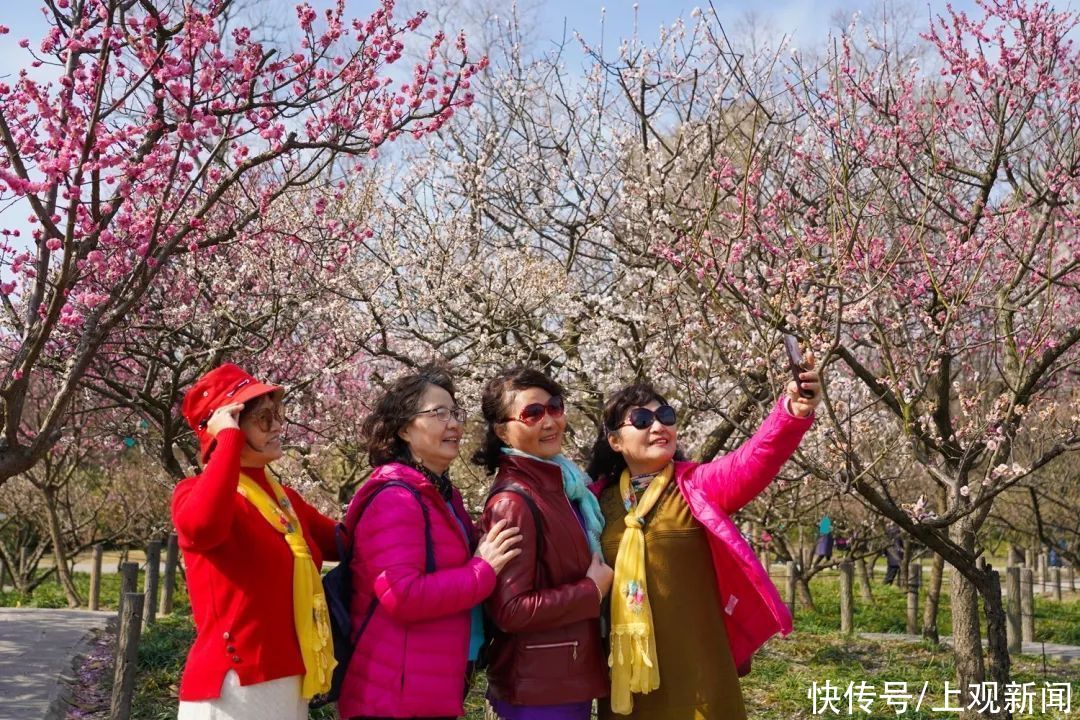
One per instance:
(410,660)
(753,609)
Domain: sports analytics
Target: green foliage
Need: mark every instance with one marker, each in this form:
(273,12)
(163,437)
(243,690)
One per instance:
(162,651)
(1057,622)
(1054,622)
(886,614)
(49,594)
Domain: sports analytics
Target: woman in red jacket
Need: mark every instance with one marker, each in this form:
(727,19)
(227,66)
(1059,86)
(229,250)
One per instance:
(547,662)
(420,567)
(252,550)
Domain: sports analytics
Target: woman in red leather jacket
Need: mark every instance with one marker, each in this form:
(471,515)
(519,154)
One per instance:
(546,660)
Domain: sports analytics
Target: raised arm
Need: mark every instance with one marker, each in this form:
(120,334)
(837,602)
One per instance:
(203,505)
(735,479)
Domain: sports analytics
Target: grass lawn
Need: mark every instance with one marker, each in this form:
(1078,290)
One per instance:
(50,595)
(1054,622)
(777,689)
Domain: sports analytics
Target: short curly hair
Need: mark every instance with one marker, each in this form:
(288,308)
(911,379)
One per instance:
(395,408)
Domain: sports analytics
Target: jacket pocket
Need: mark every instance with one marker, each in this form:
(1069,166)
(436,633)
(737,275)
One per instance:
(571,645)
(547,663)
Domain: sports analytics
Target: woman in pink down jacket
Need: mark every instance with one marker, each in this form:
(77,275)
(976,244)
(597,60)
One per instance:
(419,626)
(686,583)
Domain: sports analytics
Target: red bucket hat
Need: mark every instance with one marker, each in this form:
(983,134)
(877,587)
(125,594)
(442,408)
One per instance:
(224,385)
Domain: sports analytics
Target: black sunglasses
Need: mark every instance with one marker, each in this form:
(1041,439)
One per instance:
(643,418)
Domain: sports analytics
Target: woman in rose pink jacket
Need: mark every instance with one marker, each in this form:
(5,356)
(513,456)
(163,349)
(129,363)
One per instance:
(420,568)
(686,583)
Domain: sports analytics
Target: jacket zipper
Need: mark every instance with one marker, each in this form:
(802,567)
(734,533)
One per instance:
(546,646)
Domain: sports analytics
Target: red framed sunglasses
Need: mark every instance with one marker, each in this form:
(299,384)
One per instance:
(533,413)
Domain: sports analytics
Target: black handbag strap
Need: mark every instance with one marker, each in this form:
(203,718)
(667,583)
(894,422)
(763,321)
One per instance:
(429,546)
(524,494)
(341,532)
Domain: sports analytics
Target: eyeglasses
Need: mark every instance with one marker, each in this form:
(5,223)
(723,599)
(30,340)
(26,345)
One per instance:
(264,419)
(533,413)
(444,413)
(643,418)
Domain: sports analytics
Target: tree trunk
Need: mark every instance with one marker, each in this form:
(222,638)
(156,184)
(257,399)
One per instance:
(933,600)
(865,590)
(996,633)
(63,571)
(966,632)
(806,598)
(23,570)
(967,638)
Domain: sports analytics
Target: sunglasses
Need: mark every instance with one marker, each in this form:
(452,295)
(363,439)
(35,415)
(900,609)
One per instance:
(643,418)
(533,413)
(264,419)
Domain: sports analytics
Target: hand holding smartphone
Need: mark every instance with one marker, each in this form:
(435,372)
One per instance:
(796,363)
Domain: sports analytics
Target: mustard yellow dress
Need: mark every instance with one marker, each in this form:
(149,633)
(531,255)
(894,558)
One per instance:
(698,679)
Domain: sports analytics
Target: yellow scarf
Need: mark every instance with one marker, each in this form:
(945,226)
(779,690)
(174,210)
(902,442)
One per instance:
(634,667)
(311,616)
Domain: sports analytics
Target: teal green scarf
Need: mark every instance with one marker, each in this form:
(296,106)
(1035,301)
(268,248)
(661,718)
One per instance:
(576,486)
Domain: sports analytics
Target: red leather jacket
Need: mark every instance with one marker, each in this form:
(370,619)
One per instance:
(548,649)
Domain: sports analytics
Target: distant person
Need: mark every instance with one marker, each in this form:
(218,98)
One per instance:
(894,552)
(252,553)
(825,539)
(1054,557)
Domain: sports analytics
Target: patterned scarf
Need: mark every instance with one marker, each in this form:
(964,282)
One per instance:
(576,486)
(310,614)
(633,661)
(441,482)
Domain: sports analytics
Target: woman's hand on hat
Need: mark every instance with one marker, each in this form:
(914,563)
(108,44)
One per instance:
(226,416)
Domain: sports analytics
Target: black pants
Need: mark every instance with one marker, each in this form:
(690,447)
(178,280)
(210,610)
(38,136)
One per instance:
(891,571)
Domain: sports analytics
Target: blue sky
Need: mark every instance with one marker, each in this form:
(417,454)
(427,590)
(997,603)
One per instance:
(808,21)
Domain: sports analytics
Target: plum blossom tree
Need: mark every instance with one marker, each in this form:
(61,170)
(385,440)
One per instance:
(93,486)
(915,220)
(278,311)
(909,212)
(167,134)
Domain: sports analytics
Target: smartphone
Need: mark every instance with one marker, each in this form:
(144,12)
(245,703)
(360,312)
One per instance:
(795,362)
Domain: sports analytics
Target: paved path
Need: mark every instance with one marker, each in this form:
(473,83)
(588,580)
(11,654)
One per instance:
(1053,651)
(37,650)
